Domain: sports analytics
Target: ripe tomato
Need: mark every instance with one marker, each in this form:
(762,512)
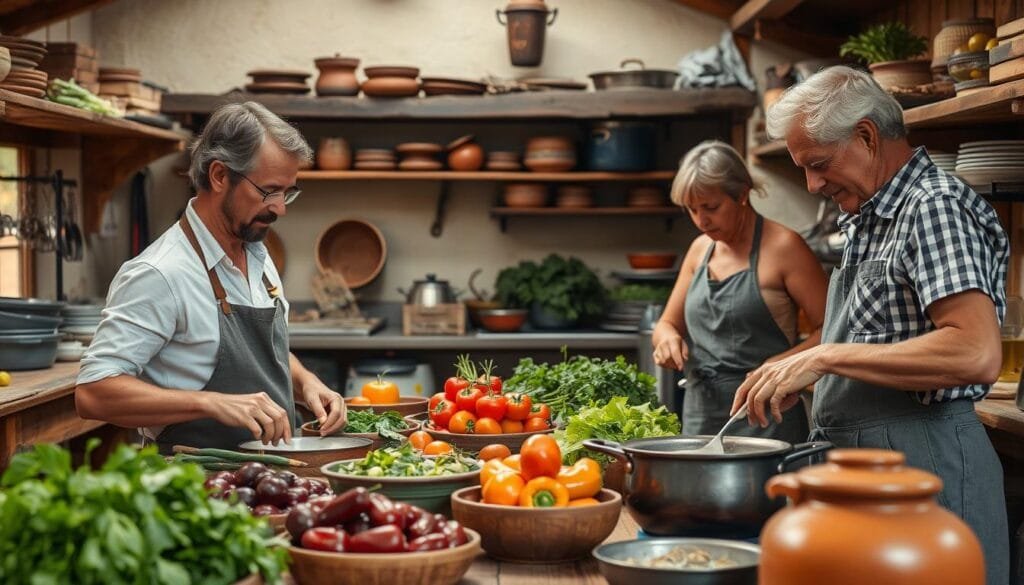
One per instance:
(511,426)
(442,413)
(463,422)
(466,400)
(434,400)
(540,410)
(420,439)
(540,456)
(359,400)
(453,385)
(380,391)
(536,424)
(492,385)
(495,451)
(492,406)
(518,406)
(487,426)
(437,448)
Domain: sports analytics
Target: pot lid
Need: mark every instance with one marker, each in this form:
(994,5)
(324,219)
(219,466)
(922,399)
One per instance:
(868,473)
(684,447)
(459,142)
(640,68)
(336,61)
(431,279)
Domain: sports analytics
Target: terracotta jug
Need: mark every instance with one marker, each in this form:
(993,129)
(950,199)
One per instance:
(334,154)
(337,75)
(865,517)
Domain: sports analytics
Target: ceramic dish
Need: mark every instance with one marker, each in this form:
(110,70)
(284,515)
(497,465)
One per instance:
(614,562)
(314,451)
(354,248)
(419,148)
(406,406)
(391,71)
(391,87)
(430,493)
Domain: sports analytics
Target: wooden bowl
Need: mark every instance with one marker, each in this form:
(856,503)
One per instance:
(354,248)
(649,260)
(474,443)
(503,320)
(474,306)
(439,567)
(429,493)
(309,430)
(526,195)
(537,535)
(315,451)
(406,406)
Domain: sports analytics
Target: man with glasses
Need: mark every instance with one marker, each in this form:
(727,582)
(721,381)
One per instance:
(193,346)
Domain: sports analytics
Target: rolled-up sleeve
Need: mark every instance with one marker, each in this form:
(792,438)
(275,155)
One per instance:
(141,316)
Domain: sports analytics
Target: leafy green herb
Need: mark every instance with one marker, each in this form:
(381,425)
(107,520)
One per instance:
(641,292)
(565,288)
(387,424)
(581,381)
(405,461)
(137,519)
(889,41)
(615,421)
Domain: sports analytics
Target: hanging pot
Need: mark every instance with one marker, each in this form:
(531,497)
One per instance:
(526,21)
(634,78)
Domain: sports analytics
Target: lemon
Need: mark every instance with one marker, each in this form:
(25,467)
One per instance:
(5,379)
(991,44)
(977,42)
(977,73)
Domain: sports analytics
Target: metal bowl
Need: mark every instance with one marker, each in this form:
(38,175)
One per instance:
(315,451)
(613,563)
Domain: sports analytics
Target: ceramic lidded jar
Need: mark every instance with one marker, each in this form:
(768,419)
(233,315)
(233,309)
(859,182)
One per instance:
(465,155)
(865,517)
(333,154)
(337,75)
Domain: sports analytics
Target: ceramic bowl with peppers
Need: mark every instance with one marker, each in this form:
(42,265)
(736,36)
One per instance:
(364,537)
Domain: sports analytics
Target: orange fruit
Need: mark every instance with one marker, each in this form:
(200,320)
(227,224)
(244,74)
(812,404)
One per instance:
(359,400)
(495,451)
(437,448)
(420,439)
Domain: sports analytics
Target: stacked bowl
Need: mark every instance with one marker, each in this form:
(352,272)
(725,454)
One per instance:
(28,333)
(283,81)
(391,81)
(25,56)
(419,156)
(81,321)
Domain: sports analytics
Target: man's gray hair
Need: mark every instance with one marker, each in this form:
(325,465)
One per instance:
(234,135)
(829,104)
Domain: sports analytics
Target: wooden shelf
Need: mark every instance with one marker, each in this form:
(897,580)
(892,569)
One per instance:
(554,104)
(581,176)
(992,105)
(31,112)
(538,211)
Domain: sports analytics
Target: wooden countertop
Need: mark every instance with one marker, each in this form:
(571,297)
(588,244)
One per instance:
(34,387)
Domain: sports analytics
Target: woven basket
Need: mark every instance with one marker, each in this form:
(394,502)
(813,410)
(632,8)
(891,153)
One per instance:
(955,33)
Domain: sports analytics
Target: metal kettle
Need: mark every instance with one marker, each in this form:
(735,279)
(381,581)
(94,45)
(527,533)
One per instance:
(430,292)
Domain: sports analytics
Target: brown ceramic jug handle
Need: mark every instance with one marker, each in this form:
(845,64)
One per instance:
(552,16)
(498,14)
(785,485)
(611,448)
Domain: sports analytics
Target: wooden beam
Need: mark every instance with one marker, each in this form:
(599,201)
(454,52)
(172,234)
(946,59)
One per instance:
(743,20)
(717,8)
(43,12)
(817,44)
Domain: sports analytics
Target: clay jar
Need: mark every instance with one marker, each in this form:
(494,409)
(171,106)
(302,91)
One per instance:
(465,155)
(334,154)
(865,517)
(337,76)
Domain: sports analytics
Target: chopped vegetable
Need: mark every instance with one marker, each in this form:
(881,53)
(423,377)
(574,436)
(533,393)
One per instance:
(405,461)
(615,421)
(386,424)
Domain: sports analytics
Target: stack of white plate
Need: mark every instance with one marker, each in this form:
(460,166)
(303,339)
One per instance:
(624,316)
(991,161)
(80,321)
(944,160)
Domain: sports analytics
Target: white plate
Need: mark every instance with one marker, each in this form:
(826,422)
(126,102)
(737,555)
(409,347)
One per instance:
(993,166)
(992,143)
(973,157)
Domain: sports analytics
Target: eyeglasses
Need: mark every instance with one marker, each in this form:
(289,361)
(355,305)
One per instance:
(290,194)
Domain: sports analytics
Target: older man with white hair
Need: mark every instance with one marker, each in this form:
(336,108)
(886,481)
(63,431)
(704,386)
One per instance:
(911,332)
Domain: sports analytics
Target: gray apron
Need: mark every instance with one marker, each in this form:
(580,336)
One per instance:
(730,332)
(252,357)
(944,438)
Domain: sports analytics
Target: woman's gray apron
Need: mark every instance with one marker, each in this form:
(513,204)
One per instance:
(252,357)
(944,438)
(730,331)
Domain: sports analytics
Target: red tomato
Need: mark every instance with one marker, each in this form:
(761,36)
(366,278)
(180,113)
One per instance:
(540,456)
(518,406)
(493,385)
(442,413)
(434,400)
(511,426)
(487,426)
(466,400)
(453,385)
(463,423)
(492,406)
(535,423)
(540,410)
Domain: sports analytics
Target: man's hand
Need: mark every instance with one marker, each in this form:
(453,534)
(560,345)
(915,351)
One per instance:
(326,404)
(257,412)
(778,384)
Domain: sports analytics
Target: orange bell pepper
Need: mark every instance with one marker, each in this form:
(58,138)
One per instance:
(583,502)
(492,468)
(582,479)
(544,492)
(503,489)
(512,461)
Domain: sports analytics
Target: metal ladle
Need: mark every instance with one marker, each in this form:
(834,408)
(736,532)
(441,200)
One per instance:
(715,445)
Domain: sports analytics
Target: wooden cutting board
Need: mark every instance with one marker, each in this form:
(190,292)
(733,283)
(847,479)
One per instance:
(1006,71)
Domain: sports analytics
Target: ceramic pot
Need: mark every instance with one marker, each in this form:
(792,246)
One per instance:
(526,22)
(333,154)
(910,73)
(337,76)
(865,513)
(465,155)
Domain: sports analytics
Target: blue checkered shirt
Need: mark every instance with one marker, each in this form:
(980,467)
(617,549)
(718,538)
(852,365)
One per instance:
(924,236)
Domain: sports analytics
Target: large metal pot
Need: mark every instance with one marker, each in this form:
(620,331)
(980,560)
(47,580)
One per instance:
(429,293)
(634,78)
(621,146)
(673,492)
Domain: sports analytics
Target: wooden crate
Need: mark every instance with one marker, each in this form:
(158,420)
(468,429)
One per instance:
(448,319)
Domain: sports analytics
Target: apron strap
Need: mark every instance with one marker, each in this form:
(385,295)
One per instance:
(218,289)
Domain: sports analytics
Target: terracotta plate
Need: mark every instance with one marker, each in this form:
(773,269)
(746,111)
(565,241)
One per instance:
(419,148)
(420,165)
(29,91)
(292,73)
(277,88)
(374,166)
(391,87)
(391,71)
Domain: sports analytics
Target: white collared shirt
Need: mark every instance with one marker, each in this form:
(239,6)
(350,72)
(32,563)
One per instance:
(161,322)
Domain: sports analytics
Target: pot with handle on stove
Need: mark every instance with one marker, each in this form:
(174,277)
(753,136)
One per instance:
(430,292)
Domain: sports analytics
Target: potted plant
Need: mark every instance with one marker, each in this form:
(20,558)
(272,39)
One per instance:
(559,292)
(890,49)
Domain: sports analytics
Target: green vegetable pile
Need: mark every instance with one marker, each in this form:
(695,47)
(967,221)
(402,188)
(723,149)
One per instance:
(581,381)
(71,94)
(387,424)
(641,292)
(564,287)
(615,421)
(138,519)
(405,461)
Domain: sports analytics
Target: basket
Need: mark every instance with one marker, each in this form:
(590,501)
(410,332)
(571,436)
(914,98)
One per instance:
(955,33)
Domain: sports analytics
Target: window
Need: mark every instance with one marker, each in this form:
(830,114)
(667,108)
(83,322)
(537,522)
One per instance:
(14,259)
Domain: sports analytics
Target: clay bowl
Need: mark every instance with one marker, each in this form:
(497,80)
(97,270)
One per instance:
(439,567)
(372,165)
(649,260)
(474,306)
(391,87)
(646,197)
(503,320)
(391,71)
(473,443)
(549,164)
(503,156)
(406,406)
(526,195)
(356,249)
(614,561)
(538,535)
(415,164)
(315,451)
(574,197)
(432,493)
(557,143)
(310,429)
(260,76)
(426,149)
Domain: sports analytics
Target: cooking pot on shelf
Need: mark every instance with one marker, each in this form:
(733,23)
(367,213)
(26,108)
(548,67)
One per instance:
(672,492)
(634,78)
(621,146)
(430,292)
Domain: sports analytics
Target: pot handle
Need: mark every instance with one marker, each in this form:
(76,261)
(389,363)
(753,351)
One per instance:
(632,61)
(611,448)
(785,485)
(804,450)
(498,13)
(552,16)
(602,135)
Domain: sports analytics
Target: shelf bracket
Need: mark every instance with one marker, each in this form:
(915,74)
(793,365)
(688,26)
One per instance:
(437,227)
